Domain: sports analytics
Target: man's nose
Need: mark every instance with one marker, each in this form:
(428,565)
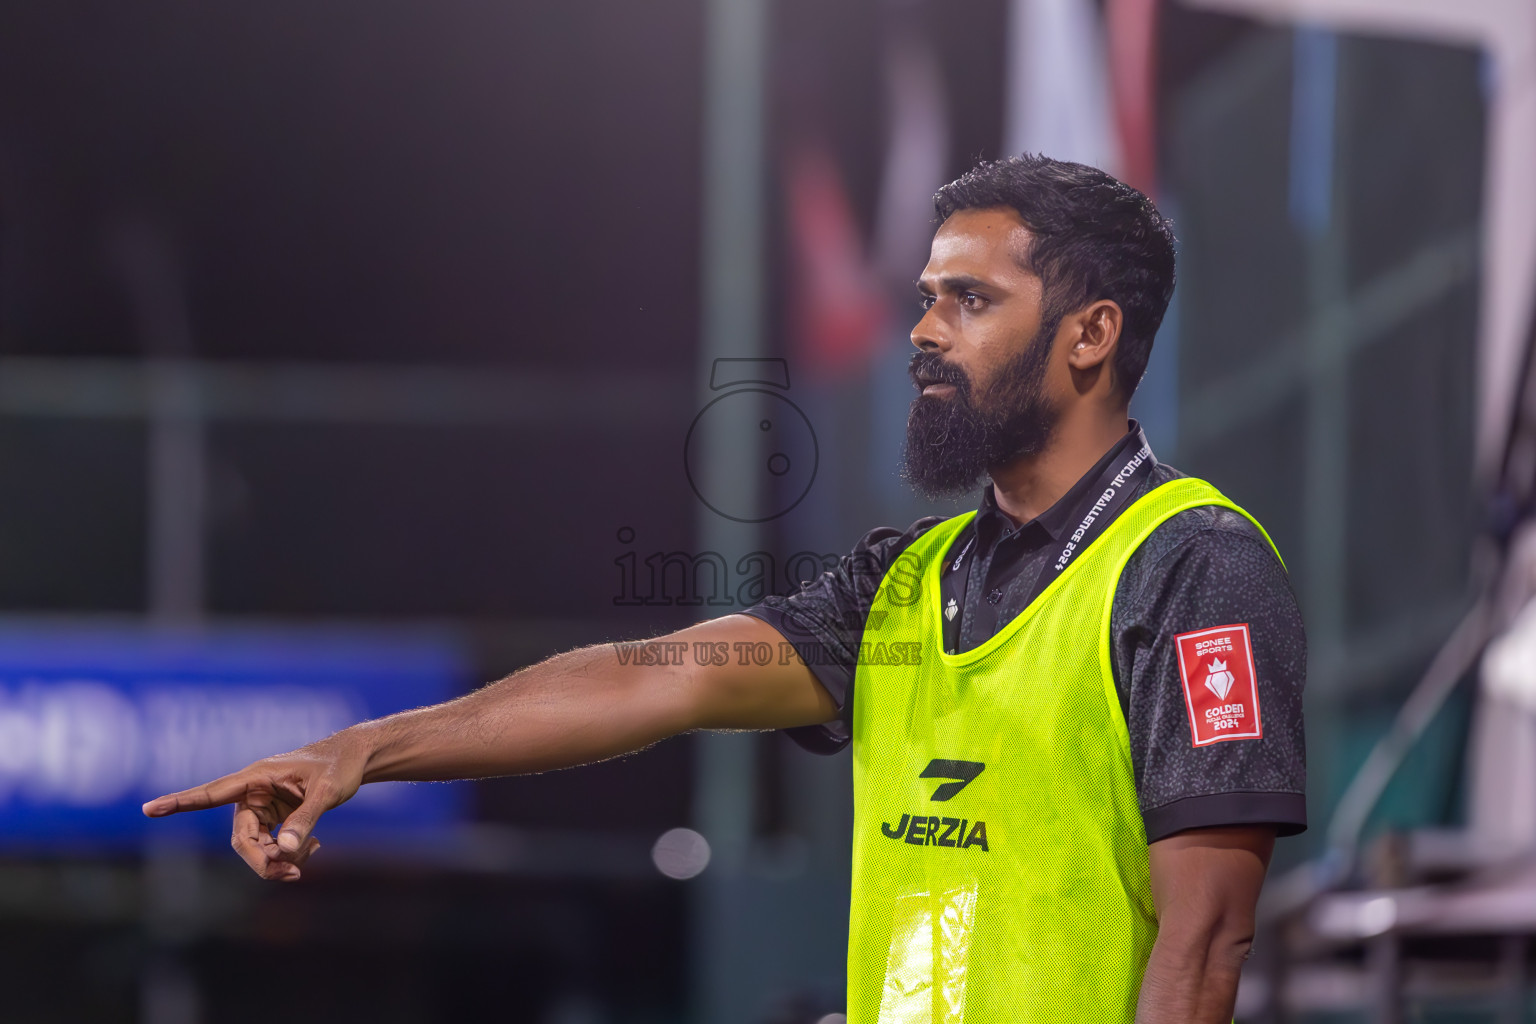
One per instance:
(929,335)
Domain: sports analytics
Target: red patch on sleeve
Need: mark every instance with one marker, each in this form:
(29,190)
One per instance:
(1216,667)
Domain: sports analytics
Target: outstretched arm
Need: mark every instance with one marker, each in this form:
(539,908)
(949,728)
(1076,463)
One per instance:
(574,708)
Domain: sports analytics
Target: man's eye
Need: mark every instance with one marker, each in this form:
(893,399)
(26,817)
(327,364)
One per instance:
(970,300)
(925,302)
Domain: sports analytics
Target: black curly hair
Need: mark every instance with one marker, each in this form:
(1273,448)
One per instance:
(1091,237)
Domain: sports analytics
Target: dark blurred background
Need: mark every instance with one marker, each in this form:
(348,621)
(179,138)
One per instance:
(349,356)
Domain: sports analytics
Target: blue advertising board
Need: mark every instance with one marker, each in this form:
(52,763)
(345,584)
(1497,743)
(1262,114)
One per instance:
(94,721)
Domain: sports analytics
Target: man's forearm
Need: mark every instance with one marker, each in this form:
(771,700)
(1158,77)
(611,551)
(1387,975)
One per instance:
(595,703)
(571,709)
(1191,980)
(1205,883)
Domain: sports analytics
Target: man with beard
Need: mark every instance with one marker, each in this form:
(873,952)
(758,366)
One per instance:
(1069,777)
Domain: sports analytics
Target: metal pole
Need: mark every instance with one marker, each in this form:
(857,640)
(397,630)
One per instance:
(732,296)
(1514,953)
(153,278)
(169,989)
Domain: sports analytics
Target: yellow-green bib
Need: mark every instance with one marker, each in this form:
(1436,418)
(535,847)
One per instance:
(999,858)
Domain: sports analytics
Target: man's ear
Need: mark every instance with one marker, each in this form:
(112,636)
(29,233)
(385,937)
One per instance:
(1098,335)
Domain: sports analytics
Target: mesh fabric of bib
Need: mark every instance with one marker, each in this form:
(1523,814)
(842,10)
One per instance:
(1011,883)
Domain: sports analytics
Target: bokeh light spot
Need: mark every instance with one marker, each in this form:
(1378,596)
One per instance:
(680,853)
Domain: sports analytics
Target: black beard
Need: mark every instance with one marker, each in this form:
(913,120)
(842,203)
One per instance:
(953,440)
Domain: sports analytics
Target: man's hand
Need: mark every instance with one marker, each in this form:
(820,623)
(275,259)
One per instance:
(1205,884)
(575,708)
(286,795)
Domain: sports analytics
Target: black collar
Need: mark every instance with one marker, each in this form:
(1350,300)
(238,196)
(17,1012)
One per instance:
(1071,524)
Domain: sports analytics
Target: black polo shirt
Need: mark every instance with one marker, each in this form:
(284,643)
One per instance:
(1202,568)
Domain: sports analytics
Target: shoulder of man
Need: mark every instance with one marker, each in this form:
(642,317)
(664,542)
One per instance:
(852,582)
(825,620)
(1189,524)
(1196,536)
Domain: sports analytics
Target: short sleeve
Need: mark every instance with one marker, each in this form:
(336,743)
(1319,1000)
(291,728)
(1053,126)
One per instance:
(825,618)
(1212,570)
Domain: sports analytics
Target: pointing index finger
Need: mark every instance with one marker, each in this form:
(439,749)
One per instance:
(199,798)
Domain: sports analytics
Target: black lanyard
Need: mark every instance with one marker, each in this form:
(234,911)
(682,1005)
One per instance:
(1117,482)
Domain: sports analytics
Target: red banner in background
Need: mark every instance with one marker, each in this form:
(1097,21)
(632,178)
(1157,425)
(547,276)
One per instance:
(838,310)
(1131,26)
